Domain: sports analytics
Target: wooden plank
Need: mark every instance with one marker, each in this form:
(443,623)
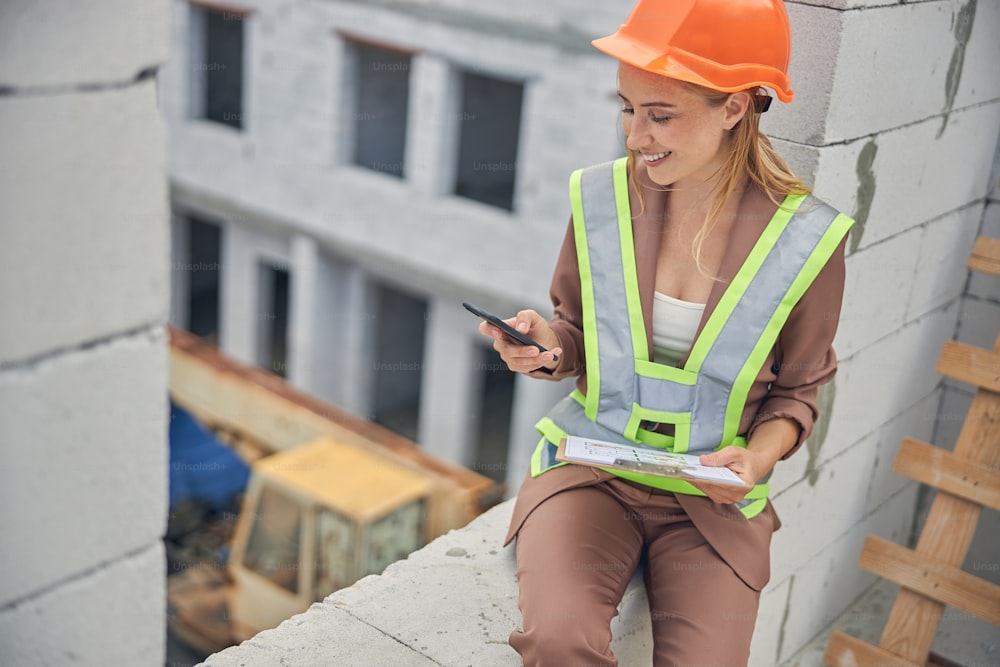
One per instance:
(843,650)
(932,579)
(970,364)
(944,471)
(985,256)
(947,533)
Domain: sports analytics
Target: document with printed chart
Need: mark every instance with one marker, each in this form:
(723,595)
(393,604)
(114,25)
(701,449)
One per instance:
(642,459)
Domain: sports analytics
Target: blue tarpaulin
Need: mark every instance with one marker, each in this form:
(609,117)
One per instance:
(202,468)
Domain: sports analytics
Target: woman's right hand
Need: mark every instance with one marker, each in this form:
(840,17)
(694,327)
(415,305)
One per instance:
(525,358)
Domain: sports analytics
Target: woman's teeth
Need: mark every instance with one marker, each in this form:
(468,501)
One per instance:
(654,158)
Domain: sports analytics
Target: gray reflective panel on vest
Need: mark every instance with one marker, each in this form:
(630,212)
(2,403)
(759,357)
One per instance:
(570,417)
(614,340)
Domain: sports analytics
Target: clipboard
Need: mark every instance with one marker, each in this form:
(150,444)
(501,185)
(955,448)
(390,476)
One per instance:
(642,459)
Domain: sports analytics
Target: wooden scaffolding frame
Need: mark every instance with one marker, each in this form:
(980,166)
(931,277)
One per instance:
(967,480)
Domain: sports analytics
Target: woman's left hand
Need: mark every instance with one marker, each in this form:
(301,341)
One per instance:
(748,465)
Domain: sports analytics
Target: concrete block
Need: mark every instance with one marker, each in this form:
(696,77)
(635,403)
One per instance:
(819,509)
(983,557)
(822,588)
(816,36)
(66,43)
(865,615)
(912,62)
(994,187)
(767,632)
(836,54)
(894,519)
(978,322)
(802,159)
(955,402)
(941,273)
(83,207)
(85,459)
(884,379)
(111,615)
(904,177)
(918,423)
(877,280)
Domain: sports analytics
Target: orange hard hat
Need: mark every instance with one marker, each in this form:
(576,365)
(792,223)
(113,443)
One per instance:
(726,45)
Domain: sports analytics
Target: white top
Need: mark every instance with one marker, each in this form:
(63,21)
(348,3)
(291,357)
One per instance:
(675,323)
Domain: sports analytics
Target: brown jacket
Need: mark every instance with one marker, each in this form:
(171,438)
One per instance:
(787,385)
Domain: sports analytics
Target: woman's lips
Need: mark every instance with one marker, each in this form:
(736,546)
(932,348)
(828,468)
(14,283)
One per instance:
(654,159)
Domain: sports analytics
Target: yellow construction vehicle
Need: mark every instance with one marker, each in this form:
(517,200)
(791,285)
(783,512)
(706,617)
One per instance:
(330,499)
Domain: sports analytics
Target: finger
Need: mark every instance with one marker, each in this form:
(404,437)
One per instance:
(724,456)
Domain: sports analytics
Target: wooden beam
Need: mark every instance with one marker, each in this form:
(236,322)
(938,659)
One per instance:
(985,256)
(947,533)
(843,650)
(935,580)
(970,364)
(944,471)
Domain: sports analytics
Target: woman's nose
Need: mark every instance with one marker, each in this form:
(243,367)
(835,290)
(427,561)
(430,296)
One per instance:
(635,135)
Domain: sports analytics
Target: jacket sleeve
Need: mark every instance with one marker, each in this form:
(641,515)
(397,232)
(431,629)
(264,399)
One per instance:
(567,320)
(804,358)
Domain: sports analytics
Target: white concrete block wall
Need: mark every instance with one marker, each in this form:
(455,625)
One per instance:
(910,168)
(54,44)
(72,454)
(74,160)
(83,353)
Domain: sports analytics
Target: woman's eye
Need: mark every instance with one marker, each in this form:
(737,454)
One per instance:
(628,110)
(659,119)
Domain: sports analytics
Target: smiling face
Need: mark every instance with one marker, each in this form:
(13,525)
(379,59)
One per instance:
(678,133)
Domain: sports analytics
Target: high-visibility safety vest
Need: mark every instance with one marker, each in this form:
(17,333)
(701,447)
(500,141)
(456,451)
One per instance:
(705,399)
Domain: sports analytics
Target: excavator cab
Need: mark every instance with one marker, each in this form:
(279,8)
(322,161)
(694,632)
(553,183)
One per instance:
(315,519)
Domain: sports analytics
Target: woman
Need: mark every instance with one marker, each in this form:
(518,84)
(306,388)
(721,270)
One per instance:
(696,297)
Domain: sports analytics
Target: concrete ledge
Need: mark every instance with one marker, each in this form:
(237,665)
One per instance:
(452,603)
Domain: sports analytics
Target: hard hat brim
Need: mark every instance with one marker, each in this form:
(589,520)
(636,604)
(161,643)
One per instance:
(684,66)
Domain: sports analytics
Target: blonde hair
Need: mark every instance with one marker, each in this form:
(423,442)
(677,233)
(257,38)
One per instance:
(751,157)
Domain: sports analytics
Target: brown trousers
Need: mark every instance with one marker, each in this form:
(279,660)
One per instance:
(576,553)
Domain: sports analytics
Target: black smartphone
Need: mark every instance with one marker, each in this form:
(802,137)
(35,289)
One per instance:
(507,329)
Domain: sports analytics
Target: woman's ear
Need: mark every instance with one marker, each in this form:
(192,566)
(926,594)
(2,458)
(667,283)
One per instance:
(735,108)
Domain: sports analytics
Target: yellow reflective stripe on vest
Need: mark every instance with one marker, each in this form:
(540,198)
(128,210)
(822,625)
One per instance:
(817,260)
(591,352)
(637,325)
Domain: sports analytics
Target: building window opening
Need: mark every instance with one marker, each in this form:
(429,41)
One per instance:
(401,322)
(377,119)
(493,428)
(217,65)
(204,251)
(489,130)
(272,319)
